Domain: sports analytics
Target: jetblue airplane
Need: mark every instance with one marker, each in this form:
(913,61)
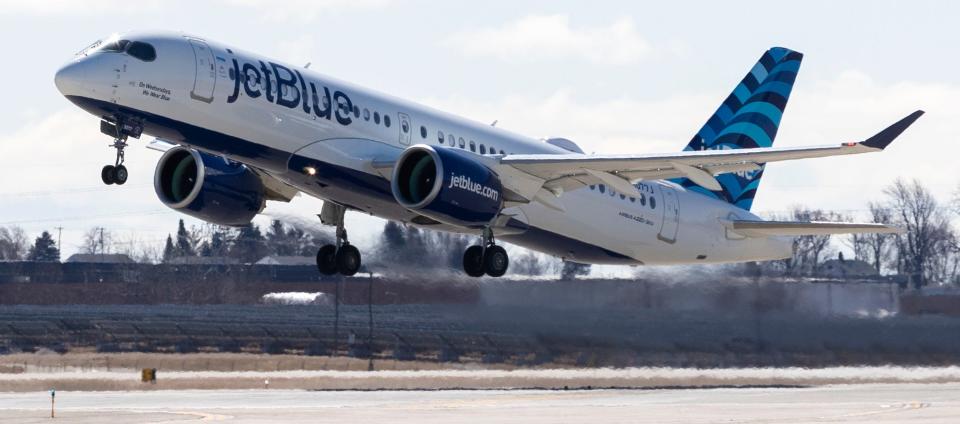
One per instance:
(238,129)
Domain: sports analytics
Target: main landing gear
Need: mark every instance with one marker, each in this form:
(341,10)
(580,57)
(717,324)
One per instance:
(119,129)
(487,258)
(342,257)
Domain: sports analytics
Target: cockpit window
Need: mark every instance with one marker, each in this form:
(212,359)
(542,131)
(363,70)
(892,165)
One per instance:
(115,46)
(142,51)
(137,49)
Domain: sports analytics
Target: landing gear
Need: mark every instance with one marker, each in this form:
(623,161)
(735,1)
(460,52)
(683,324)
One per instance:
(120,129)
(343,257)
(488,258)
(111,174)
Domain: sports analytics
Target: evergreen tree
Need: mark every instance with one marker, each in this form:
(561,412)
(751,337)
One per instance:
(279,241)
(184,243)
(169,252)
(219,241)
(44,249)
(249,246)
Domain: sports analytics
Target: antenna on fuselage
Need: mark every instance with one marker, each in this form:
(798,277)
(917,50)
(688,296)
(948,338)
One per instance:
(494,123)
(307,66)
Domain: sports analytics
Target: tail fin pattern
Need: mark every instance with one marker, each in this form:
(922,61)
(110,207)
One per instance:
(748,118)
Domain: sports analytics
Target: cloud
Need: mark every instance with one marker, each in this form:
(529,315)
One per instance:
(850,107)
(77,8)
(305,10)
(551,37)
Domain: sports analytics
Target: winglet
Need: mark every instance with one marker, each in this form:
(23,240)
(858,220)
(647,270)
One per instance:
(883,138)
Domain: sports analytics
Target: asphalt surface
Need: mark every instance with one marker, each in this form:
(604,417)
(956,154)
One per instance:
(895,403)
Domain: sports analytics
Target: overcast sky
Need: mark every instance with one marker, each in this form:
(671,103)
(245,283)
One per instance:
(616,77)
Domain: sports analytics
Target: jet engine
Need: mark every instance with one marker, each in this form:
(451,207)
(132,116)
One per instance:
(208,187)
(448,185)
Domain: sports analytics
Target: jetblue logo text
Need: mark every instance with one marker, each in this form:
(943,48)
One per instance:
(465,183)
(285,87)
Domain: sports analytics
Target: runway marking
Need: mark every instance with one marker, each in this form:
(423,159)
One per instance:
(887,409)
(204,416)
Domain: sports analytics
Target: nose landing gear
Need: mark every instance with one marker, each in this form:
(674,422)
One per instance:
(120,130)
(343,257)
(488,258)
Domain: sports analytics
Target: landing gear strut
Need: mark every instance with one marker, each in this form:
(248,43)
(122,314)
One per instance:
(487,258)
(342,257)
(120,129)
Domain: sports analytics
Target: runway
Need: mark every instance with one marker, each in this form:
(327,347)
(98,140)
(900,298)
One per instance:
(893,403)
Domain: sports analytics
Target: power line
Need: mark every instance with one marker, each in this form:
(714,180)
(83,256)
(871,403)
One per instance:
(76,218)
(78,190)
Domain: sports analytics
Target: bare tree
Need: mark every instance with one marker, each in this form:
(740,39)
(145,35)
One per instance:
(878,245)
(13,243)
(928,232)
(96,240)
(808,251)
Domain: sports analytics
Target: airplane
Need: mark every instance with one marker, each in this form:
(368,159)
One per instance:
(238,129)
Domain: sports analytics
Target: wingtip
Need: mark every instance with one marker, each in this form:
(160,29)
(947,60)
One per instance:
(883,138)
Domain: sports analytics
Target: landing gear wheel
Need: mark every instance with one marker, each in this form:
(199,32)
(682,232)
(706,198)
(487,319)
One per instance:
(348,260)
(120,174)
(495,261)
(473,261)
(107,174)
(327,259)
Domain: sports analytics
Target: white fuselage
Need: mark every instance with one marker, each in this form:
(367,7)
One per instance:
(205,95)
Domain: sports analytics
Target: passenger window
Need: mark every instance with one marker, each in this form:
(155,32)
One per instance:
(356,111)
(623,196)
(653,203)
(643,199)
(592,187)
(633,200)
(386,120)
(423,132)
(366,114)
(451,141)
(473,146)
(439,136)
(502,152)
(602,188)
(463,144)
(405,126)
(376,118)
(232,74)
(483,150)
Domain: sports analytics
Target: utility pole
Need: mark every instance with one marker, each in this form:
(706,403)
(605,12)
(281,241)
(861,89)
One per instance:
(59,239)
(370,314)
(101,243)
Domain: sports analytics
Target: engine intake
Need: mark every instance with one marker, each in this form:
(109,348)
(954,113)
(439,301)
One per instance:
(447,185)
(208,187)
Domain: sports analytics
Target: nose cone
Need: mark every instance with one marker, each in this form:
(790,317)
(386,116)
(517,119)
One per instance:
(70,78)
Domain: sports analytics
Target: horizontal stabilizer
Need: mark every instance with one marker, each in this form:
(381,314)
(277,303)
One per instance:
(807,228)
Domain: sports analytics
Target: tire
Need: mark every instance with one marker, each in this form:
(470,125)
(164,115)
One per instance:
(473,261)
(327,259)
(106,174)
(120,175)
(495,261)
(348,260)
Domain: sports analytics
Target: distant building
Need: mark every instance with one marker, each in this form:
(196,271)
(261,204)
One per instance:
(839,268)
(203,260)
(287,260)
(113,258)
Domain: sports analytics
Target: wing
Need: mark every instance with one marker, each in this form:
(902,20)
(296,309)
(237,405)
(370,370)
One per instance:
(807,228)
(559,173)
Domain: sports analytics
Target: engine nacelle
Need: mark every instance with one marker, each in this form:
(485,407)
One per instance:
(447,185)
(208,187)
